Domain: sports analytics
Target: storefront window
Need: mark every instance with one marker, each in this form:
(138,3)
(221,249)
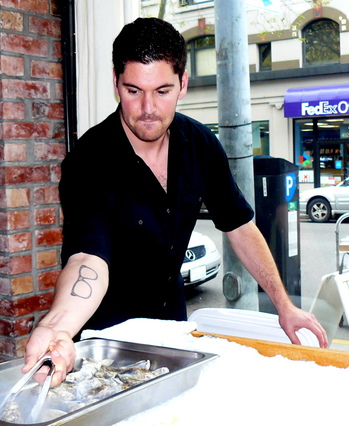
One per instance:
(304,146)
(323,144)
(260,136)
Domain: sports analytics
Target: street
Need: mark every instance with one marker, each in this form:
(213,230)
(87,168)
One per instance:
(318,258)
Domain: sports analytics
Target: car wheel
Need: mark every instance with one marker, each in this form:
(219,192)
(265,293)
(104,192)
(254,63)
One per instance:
(319,210)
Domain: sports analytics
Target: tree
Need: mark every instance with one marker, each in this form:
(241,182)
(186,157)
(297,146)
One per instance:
(162,9)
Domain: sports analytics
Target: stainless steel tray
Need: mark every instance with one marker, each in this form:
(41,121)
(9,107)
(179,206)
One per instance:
(184,366)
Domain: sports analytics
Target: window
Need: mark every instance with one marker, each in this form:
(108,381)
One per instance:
(321,150)
(201,56)
(214,128)
(260,137)
(264,56)
(187,2)
(321,42)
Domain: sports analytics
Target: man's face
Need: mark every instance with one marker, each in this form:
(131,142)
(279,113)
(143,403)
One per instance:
(149,95)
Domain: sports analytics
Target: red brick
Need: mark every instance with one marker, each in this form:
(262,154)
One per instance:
(59,130)
(46,195)
(20,130)
(48,237)
(45,27)
(5,286)
(3,201)
(15,152)
(14,89)
(26,305)
(45,216)
(53,111)
(17,175)
(47,280)
(12,110)
(42,69)
(19,219)
(57,50)
(4,221)
(49,151)
(59,91)
(22,285)
(25,45)
(56,8)
(35,6)
(18,197)
(56,173)
(8,347)
(12,66)
(16,327)
(61,217)
(46,259)
(20,242)
(11,20)
(4,265)
(4,245)
(21,345)
(20,264)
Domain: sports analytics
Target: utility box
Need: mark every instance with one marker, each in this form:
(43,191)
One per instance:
(277,216)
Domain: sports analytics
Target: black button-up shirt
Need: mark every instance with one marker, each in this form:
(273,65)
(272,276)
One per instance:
(115,208)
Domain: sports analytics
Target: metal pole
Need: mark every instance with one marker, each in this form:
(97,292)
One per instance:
(69,69)
(235,132)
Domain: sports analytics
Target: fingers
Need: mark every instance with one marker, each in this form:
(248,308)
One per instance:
(63,356)
(301,319)
(320,333)
(294,338)
(62,350)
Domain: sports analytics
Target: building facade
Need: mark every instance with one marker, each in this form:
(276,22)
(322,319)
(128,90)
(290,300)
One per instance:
(32,147)
(299,64)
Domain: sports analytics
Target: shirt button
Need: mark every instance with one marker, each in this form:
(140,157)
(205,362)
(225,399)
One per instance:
(169,278)
(140,222)
(171,248)
(168,211)
(165,304)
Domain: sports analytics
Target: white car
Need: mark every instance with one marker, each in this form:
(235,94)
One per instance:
(202,260)
(321,204)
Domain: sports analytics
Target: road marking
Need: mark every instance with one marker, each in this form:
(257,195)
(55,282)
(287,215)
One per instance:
(340,342)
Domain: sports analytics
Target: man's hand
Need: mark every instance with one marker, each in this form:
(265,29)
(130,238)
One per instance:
(293,319)
(61,348)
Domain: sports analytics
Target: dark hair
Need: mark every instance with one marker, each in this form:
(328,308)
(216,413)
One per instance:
(148,40)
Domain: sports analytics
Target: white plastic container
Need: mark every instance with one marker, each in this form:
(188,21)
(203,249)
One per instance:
(250,324)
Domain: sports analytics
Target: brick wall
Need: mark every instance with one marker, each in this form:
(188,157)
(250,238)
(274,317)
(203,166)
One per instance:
(32,145)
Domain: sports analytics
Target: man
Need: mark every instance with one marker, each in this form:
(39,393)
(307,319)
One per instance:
(131,192)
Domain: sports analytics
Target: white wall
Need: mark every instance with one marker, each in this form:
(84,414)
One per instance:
(96,29)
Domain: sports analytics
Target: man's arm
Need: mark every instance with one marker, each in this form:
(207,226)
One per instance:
(80,289)
(252,250)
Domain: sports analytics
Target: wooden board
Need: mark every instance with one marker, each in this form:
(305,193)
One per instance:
(320,356)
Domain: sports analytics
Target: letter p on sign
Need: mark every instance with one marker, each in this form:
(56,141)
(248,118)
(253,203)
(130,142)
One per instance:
(291,185)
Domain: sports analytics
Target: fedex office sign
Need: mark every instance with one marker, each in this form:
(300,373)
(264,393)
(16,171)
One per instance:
(324,108)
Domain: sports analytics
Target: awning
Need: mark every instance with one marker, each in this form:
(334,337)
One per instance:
(317,101)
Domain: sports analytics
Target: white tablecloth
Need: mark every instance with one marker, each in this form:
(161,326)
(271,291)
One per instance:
(241,387)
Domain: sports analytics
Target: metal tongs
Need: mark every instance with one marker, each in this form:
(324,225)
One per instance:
(18,387)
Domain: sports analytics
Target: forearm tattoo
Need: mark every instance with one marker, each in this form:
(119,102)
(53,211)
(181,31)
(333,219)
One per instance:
(82,288)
